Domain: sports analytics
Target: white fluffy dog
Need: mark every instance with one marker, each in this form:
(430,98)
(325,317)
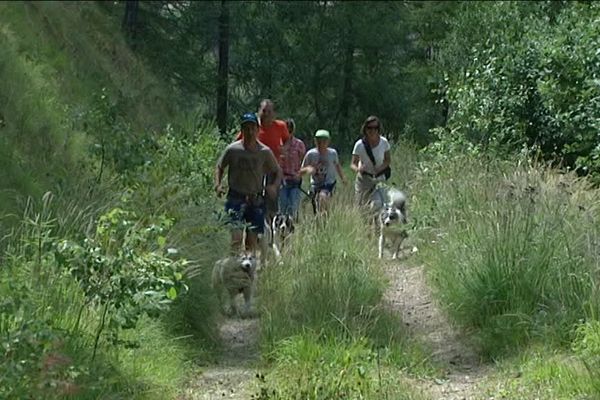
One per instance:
(390,205)
(233,275)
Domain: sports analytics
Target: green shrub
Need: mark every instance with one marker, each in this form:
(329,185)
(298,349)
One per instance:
(50,340)
(526,76)
(513,254)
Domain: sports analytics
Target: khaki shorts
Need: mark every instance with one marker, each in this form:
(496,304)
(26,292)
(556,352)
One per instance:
(363,189)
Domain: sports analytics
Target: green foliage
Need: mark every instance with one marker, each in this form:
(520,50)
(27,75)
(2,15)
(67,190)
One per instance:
(509,249)
(125,267)
(541,372)
(317,60)
(181,167)
(587,347)
(309,368)
(527,77)
(49,325)
(52,78)
(328,283)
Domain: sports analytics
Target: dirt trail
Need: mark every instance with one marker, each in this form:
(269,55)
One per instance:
(233,375)
(411,297)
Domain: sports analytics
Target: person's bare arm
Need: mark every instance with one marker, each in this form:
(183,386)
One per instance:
(219,171)
(276,169)
(354,163)
(308,169)
(340,172)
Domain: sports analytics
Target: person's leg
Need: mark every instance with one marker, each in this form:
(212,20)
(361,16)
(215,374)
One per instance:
(255,216)
(285,199)
(235,210)
(236,241)
(251,242)
(324,197)
(363,188)
(377,198)
(272,204)
(295,196)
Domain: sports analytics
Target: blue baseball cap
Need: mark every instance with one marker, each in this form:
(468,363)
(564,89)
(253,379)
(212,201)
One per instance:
(249,117)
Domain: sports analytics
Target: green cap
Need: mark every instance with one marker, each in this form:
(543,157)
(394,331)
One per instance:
(322,134)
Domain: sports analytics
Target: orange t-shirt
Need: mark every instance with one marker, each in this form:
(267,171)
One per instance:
(273,136)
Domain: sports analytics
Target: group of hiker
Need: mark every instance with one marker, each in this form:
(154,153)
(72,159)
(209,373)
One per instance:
(266,163)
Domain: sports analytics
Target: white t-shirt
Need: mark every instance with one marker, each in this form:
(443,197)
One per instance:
(378,153)
(325,172)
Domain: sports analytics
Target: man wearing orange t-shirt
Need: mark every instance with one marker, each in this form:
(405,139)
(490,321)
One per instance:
(274,134)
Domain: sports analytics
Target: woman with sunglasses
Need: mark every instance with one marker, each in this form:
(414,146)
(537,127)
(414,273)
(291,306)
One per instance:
(370,160)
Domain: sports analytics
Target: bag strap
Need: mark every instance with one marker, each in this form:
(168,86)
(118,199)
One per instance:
(369,152)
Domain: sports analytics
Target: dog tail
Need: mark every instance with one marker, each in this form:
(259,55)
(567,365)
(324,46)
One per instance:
(398,200)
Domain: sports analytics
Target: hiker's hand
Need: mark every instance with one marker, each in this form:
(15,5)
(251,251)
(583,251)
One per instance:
(271,191)
(219,190)
(310,169)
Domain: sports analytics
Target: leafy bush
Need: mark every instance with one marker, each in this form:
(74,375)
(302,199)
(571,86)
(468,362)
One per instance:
(50,324)
(528,77)
(125,269)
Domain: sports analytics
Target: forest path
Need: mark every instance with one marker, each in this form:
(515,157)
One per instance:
(410,295)
(233,375)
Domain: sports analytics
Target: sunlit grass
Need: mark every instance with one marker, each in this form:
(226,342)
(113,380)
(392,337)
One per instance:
(510,249)
(308,367)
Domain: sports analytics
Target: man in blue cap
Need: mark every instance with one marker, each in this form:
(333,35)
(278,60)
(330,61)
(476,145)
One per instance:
(247,161)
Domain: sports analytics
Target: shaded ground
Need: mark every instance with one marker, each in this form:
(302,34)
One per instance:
(233,376)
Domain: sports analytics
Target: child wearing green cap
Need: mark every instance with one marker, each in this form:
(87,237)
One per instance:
(322,163)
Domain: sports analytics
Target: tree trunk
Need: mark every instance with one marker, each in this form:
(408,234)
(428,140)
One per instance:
(316,86)
(346,91)
(130,18)
(223,79)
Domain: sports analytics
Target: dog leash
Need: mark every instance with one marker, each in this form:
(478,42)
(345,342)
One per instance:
(313,201)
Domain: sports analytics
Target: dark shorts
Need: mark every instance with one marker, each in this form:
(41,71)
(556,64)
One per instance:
(327,188)
(246,210)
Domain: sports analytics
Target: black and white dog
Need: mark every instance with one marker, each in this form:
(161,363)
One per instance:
(276,233)
(391,218)
(282,227)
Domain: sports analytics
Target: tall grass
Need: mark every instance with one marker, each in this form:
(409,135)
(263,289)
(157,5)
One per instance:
(329,283)
(311,368)
(56,58)
(47,325)
(324,326)
(514,254)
